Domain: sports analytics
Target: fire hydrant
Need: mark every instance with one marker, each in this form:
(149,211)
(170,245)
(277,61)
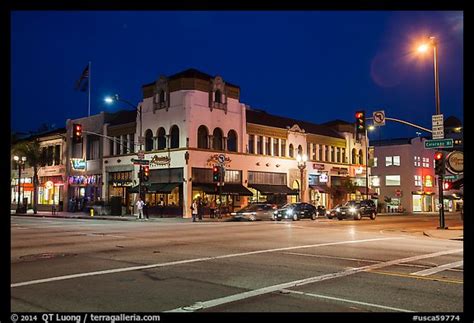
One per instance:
(92,211)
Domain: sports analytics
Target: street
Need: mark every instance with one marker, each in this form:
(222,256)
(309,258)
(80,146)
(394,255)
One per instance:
(386,265)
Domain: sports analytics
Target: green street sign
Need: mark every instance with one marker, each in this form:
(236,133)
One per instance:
(439,143)
(140,161)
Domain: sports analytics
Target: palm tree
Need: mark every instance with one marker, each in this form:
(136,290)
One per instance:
(35,158)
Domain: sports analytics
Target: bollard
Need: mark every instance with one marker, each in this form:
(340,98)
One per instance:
(92,211)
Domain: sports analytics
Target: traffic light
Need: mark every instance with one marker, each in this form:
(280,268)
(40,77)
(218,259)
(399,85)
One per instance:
(216,174)
(146,173)
(447,186)
(360,122)
(439,163)
(77,133)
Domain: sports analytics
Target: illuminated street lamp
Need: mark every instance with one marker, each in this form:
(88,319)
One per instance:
(301,159)
(20,161)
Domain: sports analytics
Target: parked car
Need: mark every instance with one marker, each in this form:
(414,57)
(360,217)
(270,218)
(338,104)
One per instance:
(321,210)
(332,213)
(296,211)
(253,212)
(357,210)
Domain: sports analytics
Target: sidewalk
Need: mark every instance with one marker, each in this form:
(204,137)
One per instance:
(451,233)
(83,215)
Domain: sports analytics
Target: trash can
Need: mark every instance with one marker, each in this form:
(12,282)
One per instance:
(116,205)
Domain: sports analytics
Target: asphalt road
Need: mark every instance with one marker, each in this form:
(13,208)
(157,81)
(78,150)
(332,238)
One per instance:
(386,265)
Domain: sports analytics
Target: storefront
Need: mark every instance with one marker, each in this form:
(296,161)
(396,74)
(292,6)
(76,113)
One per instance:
(26,191)
(267,187)
(423,201)
(318,189)
(119,184)
(83,189)
(50,190)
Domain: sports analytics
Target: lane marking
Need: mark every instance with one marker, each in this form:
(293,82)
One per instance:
(305,281)
(180,262)
(435,270)
(444,280)
(347,301)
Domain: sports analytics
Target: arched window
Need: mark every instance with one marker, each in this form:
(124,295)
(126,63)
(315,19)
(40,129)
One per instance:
(291,151)
(232,141)
(354,156)
(361,157)
(300,150)
(148,140)
(161,138)
(202,137)
(174,133)
(218,96)
(162,96)
(217,139)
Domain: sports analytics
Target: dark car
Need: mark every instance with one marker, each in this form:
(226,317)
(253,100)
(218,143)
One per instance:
(321,210)
(296,211)
(253,212)
(357,210)
(332,213)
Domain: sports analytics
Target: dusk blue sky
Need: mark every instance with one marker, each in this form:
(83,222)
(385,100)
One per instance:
(310,65)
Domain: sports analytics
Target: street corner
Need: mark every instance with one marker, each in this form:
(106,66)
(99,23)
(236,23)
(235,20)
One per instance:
(454,233)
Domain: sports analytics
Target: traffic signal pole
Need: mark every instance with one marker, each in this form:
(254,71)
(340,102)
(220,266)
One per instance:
(441,199)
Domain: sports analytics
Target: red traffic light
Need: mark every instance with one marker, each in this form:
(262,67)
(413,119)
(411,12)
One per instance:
(438,155)
(446,186)
(359,115)
(215,169)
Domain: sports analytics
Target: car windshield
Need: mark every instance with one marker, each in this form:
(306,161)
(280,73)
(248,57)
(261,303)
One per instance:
(350,203)
(287,205)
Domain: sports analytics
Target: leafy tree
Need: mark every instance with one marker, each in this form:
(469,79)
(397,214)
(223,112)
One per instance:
(338,192)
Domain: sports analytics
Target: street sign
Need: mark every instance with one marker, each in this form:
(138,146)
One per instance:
(221,159)
(140,161)
(439,143)
(437,126)
(379,118)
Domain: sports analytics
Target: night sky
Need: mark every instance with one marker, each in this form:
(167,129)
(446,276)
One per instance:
(316,66)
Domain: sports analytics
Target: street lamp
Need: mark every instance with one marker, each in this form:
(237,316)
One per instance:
(423,48)
(20,161)
(301,159)
(112,99)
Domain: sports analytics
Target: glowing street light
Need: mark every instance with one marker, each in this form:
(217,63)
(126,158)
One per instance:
(301,159)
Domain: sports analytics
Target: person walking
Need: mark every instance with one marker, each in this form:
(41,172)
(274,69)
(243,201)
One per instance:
(139,205)
(145,210)
(200,206)
(161,206)
(194,210)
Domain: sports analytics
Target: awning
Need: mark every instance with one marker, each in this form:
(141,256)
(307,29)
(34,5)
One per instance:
(320,188)
(227,189)
(273,189)
(164,188)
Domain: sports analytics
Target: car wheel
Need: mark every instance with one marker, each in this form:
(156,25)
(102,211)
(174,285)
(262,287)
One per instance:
(313,216)
(278,219)
(357,216)
(295,217)
(373,216)
(339,218)
(253,218)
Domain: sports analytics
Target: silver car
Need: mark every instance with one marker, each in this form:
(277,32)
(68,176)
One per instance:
(253,212)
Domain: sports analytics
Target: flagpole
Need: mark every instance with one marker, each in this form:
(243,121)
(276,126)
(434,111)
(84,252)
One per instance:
(89,81)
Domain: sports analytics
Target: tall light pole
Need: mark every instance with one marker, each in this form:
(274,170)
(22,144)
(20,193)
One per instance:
(423,48)
(20,161)
(301,165)
(139,109)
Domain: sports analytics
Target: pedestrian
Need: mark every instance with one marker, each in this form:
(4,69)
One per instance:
(200,208)
(140,208)
(194,210)
(161,206)
(145,210)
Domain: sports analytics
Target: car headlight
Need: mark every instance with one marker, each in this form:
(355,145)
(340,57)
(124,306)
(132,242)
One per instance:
(289,211)
(352,209)
(327,212)
(276,212)
(338,209)
(233,213)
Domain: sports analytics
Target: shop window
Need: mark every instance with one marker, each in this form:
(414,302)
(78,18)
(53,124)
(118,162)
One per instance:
(217,139)
(232,141)
(148,140)
(203,135)
(174,133)
(161,138)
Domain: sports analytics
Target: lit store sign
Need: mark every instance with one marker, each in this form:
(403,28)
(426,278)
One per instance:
(78,164)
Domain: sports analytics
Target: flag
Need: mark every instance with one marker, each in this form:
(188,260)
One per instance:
(82,82)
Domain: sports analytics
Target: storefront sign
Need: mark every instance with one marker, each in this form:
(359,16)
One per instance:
(164,160)
(84,180)
(340,170)
(323,178)
(78,163)
(48,185)
(359,170)
(318,166)
(455,162)
(222,160)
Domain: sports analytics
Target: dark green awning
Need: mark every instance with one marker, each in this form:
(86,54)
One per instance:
(227,189)
(164,188)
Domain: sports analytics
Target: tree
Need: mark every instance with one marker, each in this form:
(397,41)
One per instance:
(338,192)
(34,158)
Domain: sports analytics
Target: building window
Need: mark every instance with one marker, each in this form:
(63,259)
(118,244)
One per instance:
(218,96)
(174,133)
(327,153)
(313,156)
(49,155)
(275,147)
(361,157)
(259,145)
(426,162)
(300,150)
(162,97)
(57,155)
(92,147)
(117,145)
(417,162)
(338,154)
(428,181)
(203,135)
(417,180)
(354,156)
(291,151)
(283,147)
(374,163)
(251,144)
(320,153)
(161,138)
(396,160)
(148,141)
(131,144)
(344,160)
(232,141)
(217,139)
(267,146)
(333,158)
(392,180)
